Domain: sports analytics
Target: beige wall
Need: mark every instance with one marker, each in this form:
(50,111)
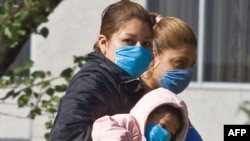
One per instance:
(210,109)
(73,30)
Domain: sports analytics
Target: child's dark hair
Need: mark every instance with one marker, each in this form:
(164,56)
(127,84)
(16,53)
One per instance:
(171,110)
(118,14)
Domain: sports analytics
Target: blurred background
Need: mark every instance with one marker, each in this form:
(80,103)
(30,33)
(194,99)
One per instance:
(218,95)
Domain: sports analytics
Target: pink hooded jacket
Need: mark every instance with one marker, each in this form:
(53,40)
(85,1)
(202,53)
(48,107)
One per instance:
(130,127)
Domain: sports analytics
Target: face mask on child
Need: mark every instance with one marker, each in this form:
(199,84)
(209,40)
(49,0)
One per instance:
(176,80)
(155,132)
(133,59)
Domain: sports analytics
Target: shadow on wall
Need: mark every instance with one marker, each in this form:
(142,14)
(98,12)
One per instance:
(11,139)
(153,6)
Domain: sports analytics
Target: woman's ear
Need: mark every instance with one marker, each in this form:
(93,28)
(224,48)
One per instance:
(103,43)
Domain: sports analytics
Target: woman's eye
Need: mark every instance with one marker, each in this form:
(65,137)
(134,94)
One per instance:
(129,42)
(180,65)
(163,126)
(147,45)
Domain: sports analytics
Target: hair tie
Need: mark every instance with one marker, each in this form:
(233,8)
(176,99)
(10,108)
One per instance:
(158,18)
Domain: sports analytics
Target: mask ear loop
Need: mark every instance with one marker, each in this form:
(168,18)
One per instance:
(147,74)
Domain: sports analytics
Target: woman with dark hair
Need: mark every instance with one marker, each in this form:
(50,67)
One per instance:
(107,83)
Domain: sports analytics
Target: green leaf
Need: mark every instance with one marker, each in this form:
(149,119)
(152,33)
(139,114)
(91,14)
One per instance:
(3,83)
(7,32)
(13,44)
(67,73)
(36,95)
(44,32)
(40,19)
(9,94)
(28,91)
(51,110)
(38,74)
(80,60)
(28,81)
(22,15)
(16,24)
(56,99)
(48,124)
(23,100)
(28,64)
(4,9)
(61,88)
(45,103)
(50,91)
(46,136)
(21,69)
(21,32)
(18,70)
(34,112)
(7,5)
(44,84)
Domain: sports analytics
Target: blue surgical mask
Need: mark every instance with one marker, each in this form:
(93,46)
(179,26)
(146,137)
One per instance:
(176,80)
(155,132)
(133,59)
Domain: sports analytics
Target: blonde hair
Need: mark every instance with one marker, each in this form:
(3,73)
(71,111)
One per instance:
(171,32)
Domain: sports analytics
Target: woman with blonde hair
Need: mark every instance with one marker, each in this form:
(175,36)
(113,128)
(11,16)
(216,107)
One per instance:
(175,53)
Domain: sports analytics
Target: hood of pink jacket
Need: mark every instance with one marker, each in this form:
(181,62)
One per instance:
(157,98)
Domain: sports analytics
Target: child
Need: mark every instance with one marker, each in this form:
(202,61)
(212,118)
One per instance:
(106,84)
(159,116)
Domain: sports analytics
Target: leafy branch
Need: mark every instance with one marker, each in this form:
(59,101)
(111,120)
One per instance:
(18,20)
(245,107)
(40,91)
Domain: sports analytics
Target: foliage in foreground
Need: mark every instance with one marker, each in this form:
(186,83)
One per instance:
(40,91)
(245,108)
(18,20)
